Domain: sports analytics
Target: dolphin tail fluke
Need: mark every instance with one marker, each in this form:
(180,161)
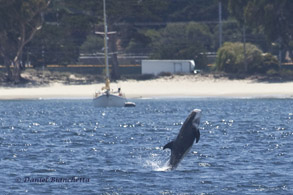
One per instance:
(168,145)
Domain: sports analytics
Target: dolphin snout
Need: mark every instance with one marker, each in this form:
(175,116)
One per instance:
(197,111)
(196,117)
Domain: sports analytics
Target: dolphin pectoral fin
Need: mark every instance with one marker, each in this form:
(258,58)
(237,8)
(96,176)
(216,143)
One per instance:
(197,135)
(169,145)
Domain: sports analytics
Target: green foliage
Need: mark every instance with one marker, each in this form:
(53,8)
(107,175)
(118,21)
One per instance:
(286,73)
(20,20)
(135,41)
(270,62)
(272,72)
(237,9)
(181,41)
(202,10)
(273,18)
(53,45)
(92,44)
(67,25)
(131,11)
(232,31)
(231,59)
(160,28)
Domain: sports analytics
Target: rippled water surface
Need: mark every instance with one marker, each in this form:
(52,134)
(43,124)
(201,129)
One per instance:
(71,147)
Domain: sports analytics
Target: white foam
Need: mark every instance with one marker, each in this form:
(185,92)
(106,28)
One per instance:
(156,164)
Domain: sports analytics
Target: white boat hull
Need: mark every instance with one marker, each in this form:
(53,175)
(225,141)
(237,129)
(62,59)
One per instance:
(109,100)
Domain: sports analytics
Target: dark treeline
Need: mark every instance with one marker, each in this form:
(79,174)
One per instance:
(57,31)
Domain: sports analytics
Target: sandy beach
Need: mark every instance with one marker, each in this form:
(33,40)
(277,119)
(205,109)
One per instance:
(173,86)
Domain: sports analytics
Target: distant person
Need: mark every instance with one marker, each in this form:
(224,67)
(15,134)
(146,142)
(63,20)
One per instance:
(119,91)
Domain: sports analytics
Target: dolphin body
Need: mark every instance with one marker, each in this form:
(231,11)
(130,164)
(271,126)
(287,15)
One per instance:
(183,142)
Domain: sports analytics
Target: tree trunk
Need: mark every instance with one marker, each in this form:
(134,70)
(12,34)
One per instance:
(16,63)
(16,72)
(7,64)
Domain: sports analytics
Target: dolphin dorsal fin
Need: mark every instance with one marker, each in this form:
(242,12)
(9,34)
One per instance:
(169,145)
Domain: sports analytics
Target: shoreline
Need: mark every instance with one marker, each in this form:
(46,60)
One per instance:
(187,86)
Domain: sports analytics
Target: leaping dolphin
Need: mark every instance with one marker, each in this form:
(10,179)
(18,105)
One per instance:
(182,144)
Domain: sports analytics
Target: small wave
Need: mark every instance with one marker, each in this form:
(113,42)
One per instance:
(204,164)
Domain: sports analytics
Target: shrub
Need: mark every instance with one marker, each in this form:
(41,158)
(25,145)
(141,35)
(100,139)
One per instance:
(164,74)
(270,62)
(286,74)
(145,77)
(230,59)
(272,72)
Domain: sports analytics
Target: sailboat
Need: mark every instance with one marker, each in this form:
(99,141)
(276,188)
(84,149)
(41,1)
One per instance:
(107,97)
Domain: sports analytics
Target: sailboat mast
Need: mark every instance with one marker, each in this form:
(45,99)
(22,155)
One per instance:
(106,41)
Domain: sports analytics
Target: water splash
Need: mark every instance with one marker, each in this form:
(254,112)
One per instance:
(157,164)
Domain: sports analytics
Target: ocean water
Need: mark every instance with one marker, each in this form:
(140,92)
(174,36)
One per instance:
(71,147)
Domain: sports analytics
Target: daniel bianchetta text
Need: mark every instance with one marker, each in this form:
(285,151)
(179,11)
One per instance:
(52,180)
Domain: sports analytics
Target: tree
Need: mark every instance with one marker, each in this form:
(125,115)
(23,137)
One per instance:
(271,17)
(54,44)
(133,12)
(230,59)
(20,20)
(181,41)
(92,44)
(66,26)
(80,19)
